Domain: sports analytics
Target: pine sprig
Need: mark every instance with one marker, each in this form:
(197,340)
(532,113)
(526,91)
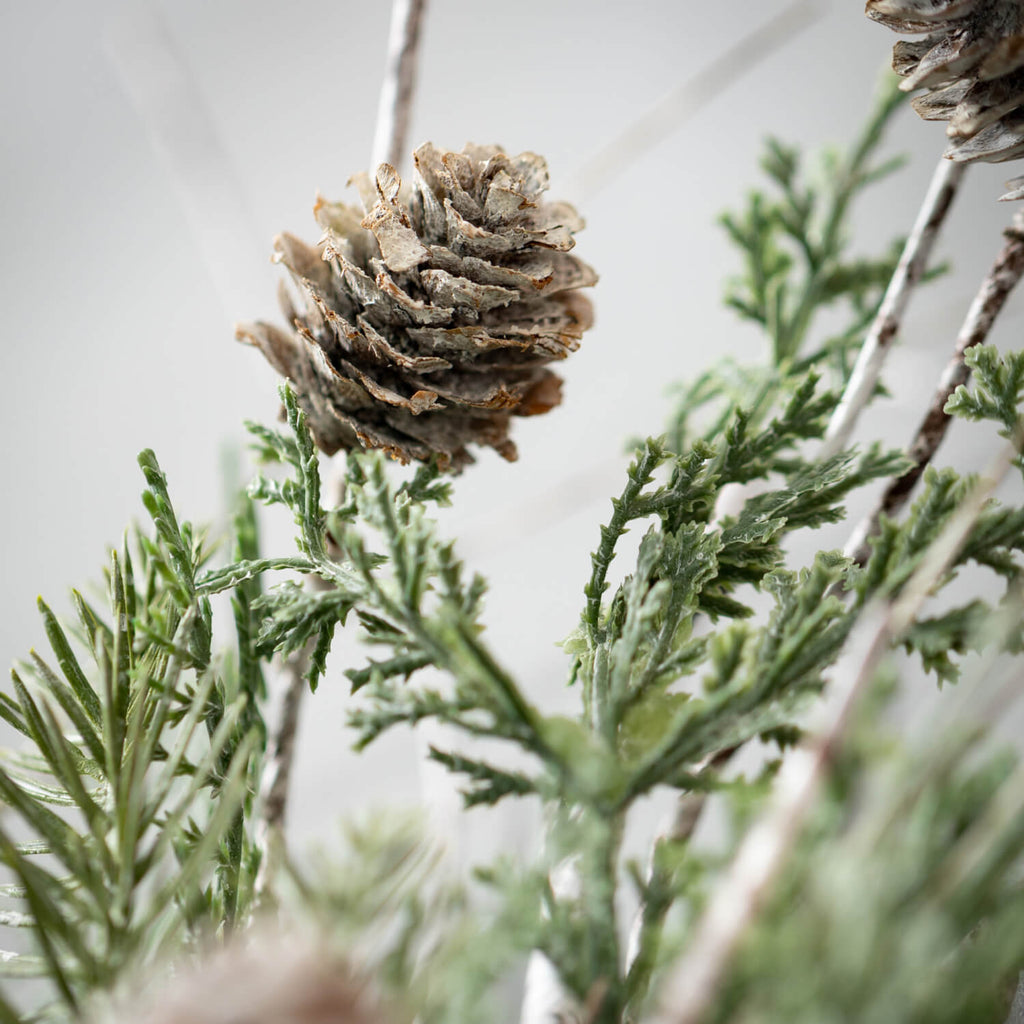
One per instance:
(996,391)
(487,783)
(794,247)
(140,734)
(794,241)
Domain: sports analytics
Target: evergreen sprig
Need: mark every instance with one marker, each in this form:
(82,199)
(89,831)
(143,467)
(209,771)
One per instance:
(146,747)
(794,246)
(794,239)
(904,893)
(996,391)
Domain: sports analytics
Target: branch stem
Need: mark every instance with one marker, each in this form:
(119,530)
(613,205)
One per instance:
(277,774)
(911,267)
(646,930)
(395,106)
(692,986)
(1004,274)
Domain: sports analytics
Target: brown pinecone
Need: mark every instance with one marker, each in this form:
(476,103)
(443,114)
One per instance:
(971,64)
(428,320)
(273,980)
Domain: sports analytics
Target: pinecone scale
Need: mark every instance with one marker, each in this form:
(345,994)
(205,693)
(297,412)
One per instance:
(426,320)
(971,66)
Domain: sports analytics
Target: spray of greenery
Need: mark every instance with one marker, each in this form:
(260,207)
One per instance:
(131,825)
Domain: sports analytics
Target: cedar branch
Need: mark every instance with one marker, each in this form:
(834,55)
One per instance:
(693,983)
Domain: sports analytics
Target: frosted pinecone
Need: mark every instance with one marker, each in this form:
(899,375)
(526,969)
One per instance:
(427,319)
(971,62)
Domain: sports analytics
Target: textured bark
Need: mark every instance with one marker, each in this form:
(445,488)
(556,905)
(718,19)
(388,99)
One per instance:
(274,786)
(1006,271)
(395,109)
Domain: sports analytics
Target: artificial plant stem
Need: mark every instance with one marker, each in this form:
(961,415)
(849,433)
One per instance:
(394,108)
(277,773)
(914,260)
(645,932)
(693,983)
(1006,271)
(599,888)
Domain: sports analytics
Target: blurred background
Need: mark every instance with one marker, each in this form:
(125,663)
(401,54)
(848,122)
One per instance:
(151,150)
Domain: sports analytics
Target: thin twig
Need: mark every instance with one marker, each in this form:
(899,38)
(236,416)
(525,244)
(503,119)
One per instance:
(682,102)
(277,771)
(388,146)
(277,774)
(683,820)
(682,823)
(692,986)
(1006,271)
(394,109)
(884,328)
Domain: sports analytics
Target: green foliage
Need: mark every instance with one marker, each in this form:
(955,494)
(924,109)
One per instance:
(135,786)
(794,241)
(996,542)
(996,390)
(904,894)
(387,891)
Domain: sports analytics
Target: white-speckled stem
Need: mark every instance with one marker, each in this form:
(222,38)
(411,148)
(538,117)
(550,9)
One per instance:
(912,265)
(270,835)
(395,106)
(995,289)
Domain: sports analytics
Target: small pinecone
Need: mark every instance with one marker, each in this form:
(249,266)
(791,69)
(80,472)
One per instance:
(971,62)
(274,980)
(428,321)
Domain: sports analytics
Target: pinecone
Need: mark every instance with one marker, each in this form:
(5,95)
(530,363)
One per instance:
(428,322)
(971,62)
(273,980)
